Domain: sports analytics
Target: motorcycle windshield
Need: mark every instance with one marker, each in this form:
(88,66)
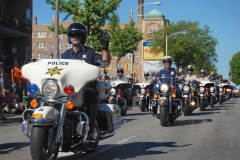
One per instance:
(65,71)
(166,80)
(120,84)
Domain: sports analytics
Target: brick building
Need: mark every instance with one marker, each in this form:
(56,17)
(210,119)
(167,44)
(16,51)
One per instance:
(43,42)
(15,31)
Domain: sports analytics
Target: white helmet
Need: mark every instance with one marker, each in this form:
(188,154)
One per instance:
(189,67)
(167,58)
(202,71)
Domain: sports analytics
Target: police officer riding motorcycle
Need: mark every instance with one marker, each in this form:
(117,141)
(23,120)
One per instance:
(168,106)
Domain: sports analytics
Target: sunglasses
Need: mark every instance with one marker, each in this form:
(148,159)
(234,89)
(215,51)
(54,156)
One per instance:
(75,35)
(167,62)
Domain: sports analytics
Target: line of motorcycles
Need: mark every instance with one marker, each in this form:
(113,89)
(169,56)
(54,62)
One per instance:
(59,119)
(168,98)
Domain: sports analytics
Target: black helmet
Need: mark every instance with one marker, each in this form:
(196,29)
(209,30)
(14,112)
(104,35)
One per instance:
(220,76)
(167,58)
(202,71)
(189,67)
(120,70)
(77,28)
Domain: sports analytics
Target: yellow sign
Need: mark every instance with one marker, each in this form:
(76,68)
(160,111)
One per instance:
(150,55)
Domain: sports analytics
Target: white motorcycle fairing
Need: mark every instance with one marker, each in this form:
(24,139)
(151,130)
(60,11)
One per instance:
(115,83)
(142,85)
(65,72)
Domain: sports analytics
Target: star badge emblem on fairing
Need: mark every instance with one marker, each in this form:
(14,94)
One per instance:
(53,71)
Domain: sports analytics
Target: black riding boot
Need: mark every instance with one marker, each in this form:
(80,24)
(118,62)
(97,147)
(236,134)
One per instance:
(92,114)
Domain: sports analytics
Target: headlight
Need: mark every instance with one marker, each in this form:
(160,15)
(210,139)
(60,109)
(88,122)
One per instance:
(186,88)
(228,90)
(113,91)
(201,89)
(142,91)
(211,89)
(50,89)
(220,89)
(164,88)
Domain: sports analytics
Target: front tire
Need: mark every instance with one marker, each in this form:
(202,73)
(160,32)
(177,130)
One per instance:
(163,116)
(142,106)
(42,146)
(185,110)
(220,99)
(201,105)
(212,103)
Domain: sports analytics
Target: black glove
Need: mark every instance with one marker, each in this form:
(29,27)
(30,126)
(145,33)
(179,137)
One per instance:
(105,40)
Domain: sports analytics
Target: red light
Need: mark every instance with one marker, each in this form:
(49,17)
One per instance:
(148,90)
(69,89)
(207,89)
(216,92)
(173,88)
(119,91)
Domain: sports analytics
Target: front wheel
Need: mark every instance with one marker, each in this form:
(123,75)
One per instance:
(42,146)
(185,109)
(212,103)
(201,105)
(142,106)
(163,116)
(220,99)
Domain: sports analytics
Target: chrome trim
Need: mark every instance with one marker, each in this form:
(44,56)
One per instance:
(179,101)
(106,135)
(61,120)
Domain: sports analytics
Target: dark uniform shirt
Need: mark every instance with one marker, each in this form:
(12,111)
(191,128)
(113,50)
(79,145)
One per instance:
(87,54)
(167,73)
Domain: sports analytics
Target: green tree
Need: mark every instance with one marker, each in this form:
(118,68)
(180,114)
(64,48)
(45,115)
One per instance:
(92,13)
(124,40)
(62,29)
(235,68)
(197,47)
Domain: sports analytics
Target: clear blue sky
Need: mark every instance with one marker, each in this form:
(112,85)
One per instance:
(222,16)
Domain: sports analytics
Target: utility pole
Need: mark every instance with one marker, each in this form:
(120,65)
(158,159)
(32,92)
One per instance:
(56,53)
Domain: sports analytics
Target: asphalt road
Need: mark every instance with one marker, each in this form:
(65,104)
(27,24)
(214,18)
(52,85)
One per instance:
(213,134)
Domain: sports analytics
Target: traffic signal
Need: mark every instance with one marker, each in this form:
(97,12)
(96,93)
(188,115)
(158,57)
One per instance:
(126,66)
(105,70)
(134,69)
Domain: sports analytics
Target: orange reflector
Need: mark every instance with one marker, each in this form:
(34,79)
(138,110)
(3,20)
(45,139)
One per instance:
(174,95)
(69,105)
(155,96)
(192,93)
(119,96)
(138,95)
(148,95)
(35,115)
(162,100)
(34,103)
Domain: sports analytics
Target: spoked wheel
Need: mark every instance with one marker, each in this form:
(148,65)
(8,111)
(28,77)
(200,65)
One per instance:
(42,144)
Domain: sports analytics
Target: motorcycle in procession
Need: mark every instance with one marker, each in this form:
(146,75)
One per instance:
(166,106)
(143,94)
(206,94)
(223,94)
(62,121)
(189,93)
(120,95)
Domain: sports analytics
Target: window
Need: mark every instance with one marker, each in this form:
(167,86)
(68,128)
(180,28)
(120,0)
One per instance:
(137,54)
(52,45)
(68,45)
(41,34)
(152,30)
(41,45)
(32,34)
(28,18)
(137,65)
(119,65)
(129,66)
(60,45)
(129,55)
(50,34)
(28,53)
(60,36)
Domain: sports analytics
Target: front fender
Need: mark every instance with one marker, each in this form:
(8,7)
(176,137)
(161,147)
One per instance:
(49,116)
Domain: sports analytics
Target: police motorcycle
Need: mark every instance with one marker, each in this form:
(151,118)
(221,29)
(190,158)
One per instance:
(235,92)
(61,120)
(144,94)
(120,94)
(166,106)
(223,92)
(190,99)
(206,94)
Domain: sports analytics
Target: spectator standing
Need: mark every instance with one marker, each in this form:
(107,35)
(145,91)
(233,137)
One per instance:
(2,95)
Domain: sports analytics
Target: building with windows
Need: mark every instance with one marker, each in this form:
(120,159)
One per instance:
(15,31)
(43,43)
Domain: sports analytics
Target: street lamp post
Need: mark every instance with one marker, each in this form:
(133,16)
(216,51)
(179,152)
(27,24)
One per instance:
(131,14)
(183,32)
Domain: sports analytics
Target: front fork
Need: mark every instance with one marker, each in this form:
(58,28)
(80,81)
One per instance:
(61,120)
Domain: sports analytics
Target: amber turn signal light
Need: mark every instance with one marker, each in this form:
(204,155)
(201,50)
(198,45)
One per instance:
(69,105)
(34,103)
